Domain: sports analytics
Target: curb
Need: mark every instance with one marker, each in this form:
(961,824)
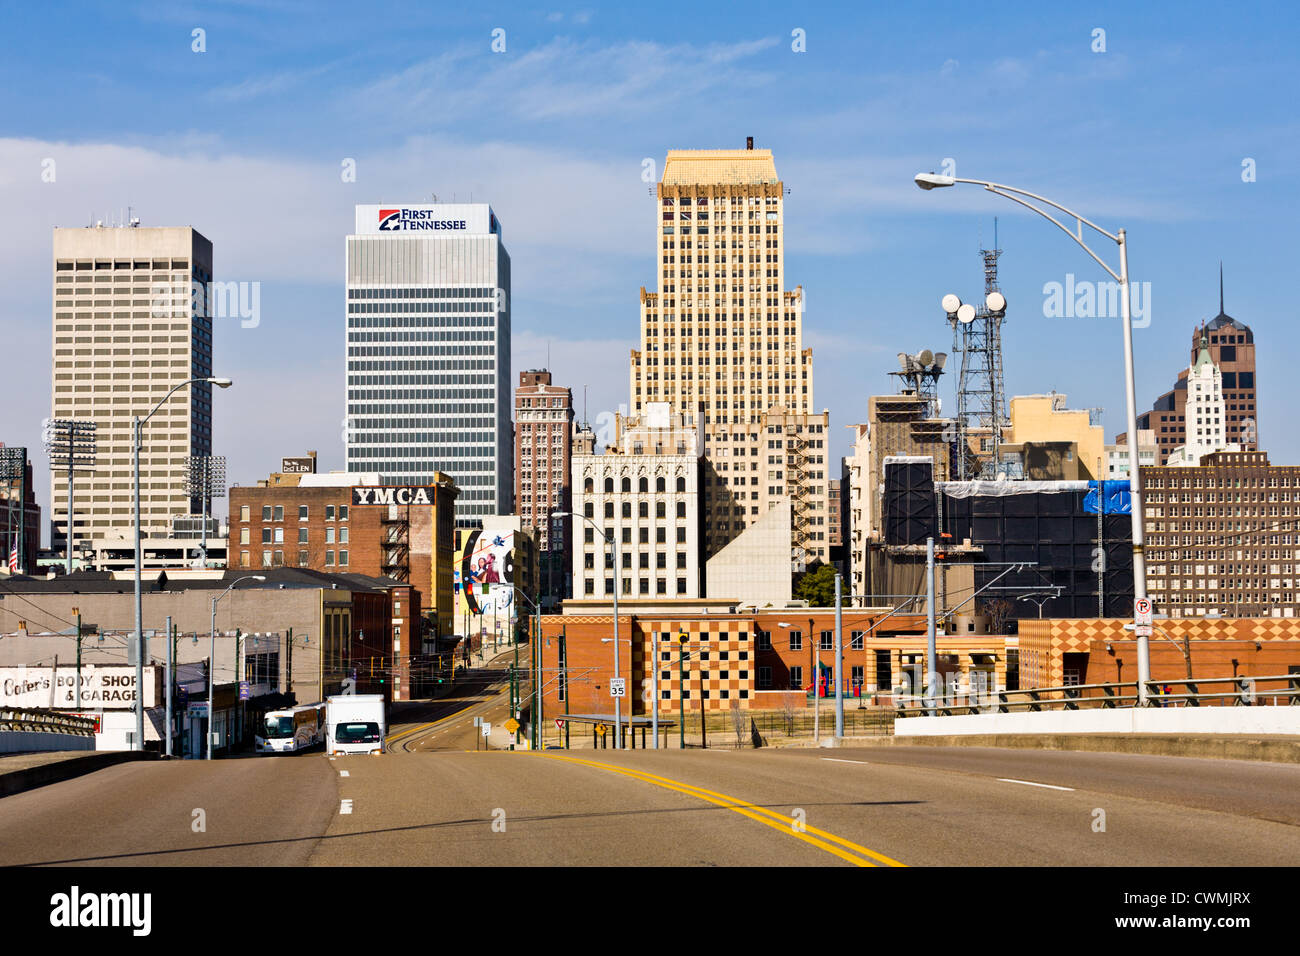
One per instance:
(30,778)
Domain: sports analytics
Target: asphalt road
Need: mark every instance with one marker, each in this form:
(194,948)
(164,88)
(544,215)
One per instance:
(867,806)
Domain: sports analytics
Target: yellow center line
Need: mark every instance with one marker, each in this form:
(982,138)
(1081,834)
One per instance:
(763,815)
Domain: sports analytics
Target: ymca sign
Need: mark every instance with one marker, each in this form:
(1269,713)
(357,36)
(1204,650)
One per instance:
(394,495)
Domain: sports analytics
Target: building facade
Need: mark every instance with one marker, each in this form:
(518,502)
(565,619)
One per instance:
(1205,411)
(1231,346)
(20,515)
(793,451)
(721,339)
(133,318)
(642,496)
(1224,538)
(543,457)
(349,523)
(428,346)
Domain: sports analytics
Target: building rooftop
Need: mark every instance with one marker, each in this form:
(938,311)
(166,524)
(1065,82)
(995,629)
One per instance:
(725,167)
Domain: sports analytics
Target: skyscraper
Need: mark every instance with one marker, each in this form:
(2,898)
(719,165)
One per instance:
(721,340)
(1231,346)
(428,340)
(128,327)
(543,450)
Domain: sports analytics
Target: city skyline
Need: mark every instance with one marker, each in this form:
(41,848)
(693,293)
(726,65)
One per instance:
(874,253)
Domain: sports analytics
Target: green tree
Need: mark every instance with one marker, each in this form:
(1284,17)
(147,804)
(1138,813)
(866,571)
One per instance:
(816,585)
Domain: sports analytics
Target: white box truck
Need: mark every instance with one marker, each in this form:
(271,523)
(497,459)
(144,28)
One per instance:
(355,724)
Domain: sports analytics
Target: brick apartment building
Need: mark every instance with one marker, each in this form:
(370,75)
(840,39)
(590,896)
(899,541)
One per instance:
(543,453)
(348,523)
(1224,538)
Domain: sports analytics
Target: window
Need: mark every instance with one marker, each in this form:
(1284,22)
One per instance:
(856,640)
(626,485)
(681,509)
(627,509)
(660,484)
(796,678)
(266,512)
(765,678)
(642,485)
(343,559)
(681,535)
(266,536)
(302,559)
(329,559)
(828,640)
(343,535)
(609,486)
(343,512)
(243,536)
(609,509)
(279,513)
(243,512)
(681,484)
(764,642)
(302,512)
(266,559)
(329,512)
(796,640)
(302,535)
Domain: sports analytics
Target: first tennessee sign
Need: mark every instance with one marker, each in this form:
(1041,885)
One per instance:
(394,495)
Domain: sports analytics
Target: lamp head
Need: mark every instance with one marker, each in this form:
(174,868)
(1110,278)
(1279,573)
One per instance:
(929,181)
(219,382)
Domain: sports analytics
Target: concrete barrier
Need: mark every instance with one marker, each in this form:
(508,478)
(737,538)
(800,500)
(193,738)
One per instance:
(1134,720)
(28,742)
(42,769)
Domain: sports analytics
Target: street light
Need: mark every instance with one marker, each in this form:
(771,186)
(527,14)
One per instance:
(929,181)
(609,540)
(212,655)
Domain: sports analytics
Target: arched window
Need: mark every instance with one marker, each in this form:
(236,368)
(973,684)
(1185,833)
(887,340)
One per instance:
(681,484)
(627,484)
(588,485)
(660,484)
(609,486)
(643,486)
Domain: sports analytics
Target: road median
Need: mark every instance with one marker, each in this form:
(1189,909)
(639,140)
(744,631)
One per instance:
(21,772)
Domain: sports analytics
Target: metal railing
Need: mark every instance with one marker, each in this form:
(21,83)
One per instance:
(29,720)
(1235,692)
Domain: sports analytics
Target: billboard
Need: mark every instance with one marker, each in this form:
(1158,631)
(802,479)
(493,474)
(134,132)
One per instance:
(297,466)
(484,574)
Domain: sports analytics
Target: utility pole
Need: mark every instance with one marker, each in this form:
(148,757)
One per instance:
(681,688)
(564,676)
(654,686)
(171,648)
(931,652)
(839,660)
(77,611)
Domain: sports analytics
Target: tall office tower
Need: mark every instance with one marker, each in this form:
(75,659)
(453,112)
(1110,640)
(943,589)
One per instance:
(1231,345)
(428,338)
(543,452)
(721,339)
(128,328)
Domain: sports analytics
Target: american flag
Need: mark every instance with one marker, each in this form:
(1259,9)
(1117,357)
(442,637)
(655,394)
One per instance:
(13,560)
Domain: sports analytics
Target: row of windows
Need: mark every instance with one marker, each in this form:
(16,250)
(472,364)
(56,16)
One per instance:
(276,535)
(643,485)
(276,512)
(661,586)
(475,292)
(826,640)
(275,559)
(643,509)
(660,535)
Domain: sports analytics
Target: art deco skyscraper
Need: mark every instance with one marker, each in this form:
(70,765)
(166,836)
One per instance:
(722,338)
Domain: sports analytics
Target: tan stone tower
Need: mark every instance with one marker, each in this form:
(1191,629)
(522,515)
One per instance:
(722,338)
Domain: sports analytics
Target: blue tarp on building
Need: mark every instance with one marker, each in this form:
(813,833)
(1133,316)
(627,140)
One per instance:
(1115,498)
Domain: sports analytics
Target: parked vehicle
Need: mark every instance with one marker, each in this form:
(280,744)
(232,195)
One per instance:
(292,729)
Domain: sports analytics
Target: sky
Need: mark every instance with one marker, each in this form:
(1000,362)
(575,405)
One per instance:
(1176,123)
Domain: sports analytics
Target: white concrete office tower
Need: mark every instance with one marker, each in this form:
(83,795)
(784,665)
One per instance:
(126,330)
(1206,412)
(428,339)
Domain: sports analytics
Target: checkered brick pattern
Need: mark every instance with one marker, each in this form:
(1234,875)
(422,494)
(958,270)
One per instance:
(720,664)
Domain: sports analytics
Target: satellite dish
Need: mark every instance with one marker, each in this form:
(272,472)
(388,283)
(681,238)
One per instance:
(939,359)
(950,303)
(966,314)
(904,361)
(925,357)
(996,302)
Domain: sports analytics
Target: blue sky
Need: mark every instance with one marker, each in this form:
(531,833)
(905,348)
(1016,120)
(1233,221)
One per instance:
(245,142)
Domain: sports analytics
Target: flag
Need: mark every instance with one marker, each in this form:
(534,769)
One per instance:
(13,560)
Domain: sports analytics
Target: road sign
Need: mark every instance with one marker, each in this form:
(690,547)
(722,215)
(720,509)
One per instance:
(487,728)
(618,687)
(559,725)
(1142,630)
(600,729)
(1142,611)
(512,725)
(245,691)
(478,721)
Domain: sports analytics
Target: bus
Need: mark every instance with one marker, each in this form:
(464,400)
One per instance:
(292,730)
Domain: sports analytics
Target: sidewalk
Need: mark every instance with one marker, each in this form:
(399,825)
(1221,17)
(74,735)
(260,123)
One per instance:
(19,772)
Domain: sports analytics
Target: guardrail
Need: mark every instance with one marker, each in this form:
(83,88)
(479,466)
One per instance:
(1238,692)
(29,720)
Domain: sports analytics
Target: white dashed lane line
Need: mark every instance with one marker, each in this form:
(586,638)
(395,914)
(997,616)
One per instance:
(1030,783)
(345,806)
(344,773)
(842,760)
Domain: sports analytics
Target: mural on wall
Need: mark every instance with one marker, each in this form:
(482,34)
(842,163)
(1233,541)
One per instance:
(484,575)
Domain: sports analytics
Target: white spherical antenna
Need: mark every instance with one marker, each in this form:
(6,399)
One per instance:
(996,302)
(925,357)
(951,303)
(966,314)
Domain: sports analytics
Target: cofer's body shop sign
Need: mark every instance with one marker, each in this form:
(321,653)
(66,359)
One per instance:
(103,687)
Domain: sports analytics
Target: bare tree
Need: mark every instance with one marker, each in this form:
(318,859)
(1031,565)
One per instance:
(787,712)
(738,723)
